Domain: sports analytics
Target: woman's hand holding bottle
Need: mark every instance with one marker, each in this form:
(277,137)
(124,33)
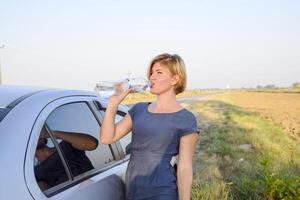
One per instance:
(119,96)
(120,89)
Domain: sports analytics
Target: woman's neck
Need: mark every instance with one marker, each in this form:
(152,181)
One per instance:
(166,102)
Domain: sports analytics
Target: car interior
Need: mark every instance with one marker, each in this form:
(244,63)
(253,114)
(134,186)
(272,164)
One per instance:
(54,155)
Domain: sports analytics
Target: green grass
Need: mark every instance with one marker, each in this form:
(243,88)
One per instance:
(242,155)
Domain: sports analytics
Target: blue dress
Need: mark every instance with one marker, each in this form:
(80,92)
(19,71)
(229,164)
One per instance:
(155,139)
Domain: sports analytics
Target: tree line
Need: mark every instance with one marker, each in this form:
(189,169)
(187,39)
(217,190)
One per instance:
(295,85)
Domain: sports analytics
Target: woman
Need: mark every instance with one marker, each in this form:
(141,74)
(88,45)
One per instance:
(160,130)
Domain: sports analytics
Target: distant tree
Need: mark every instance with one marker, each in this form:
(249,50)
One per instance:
(296,85)
(259,87)
(270,86)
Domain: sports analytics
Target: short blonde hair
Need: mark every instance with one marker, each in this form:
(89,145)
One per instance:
(176,66)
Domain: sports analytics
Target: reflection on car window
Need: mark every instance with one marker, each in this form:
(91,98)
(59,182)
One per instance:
(75,131)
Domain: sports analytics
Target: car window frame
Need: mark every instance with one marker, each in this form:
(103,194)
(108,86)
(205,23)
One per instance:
(113,150)
(96,106)
(101,108)
(78,179)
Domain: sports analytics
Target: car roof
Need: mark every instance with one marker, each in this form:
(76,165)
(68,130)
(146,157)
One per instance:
(11,95)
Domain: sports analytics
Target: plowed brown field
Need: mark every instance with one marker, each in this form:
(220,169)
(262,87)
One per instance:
(283,108)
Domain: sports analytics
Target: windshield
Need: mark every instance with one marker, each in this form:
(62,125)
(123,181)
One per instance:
(3,112)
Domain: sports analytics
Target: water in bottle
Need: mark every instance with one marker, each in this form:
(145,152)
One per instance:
(138,84)
(108,88)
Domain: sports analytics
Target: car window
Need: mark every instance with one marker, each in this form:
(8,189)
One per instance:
(49,169)
(126,140)
(75,130)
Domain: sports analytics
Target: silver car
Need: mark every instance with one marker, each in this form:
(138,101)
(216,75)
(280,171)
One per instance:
(25,112)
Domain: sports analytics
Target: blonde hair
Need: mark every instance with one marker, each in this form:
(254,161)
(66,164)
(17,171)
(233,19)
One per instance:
(176,66)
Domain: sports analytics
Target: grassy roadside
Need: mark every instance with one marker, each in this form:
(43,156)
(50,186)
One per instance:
(242,155)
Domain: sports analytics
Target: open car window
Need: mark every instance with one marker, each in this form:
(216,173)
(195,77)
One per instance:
(71,146)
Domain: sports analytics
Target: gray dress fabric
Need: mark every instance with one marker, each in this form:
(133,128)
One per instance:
(155,139)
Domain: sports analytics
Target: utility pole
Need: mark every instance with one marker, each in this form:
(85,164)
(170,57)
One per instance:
(1,47)
(129,73)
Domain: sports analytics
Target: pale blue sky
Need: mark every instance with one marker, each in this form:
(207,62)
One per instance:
(74,44)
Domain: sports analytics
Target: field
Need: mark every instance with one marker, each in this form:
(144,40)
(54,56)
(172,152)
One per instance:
(282,108)
(244,154)
(248,147)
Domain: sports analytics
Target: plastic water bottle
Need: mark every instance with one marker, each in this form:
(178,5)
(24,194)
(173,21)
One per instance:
(108,88)
(137,84)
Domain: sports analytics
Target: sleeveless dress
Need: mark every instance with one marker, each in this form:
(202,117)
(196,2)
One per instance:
(155,139)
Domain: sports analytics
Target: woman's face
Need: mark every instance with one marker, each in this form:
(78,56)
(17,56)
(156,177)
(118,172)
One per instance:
(161,79)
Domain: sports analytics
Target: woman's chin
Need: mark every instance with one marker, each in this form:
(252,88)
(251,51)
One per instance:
(159,91)
(153,92)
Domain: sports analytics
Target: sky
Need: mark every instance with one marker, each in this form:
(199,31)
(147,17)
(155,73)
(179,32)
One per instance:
(75,44)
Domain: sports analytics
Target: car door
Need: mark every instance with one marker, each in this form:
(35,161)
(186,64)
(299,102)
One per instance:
(103,181)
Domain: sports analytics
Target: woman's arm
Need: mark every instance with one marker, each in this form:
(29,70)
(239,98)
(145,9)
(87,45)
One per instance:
(185,165)
(111,132)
